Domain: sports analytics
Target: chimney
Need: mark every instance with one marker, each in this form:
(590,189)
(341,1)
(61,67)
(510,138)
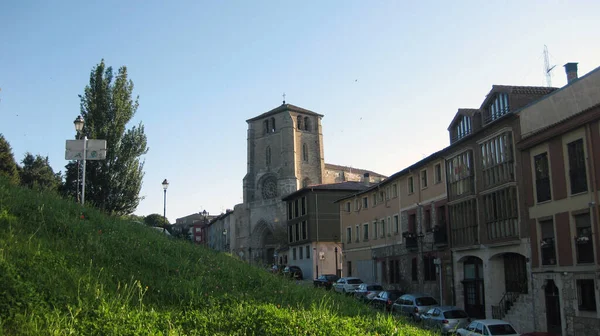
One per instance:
(366,179)
(571,69)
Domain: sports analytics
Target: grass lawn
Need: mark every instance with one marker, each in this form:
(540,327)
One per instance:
(63,275)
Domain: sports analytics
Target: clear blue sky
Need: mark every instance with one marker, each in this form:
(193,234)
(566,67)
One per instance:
(387,75)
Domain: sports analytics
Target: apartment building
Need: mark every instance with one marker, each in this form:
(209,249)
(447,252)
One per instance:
(560,151)
(490,243)
(313,227)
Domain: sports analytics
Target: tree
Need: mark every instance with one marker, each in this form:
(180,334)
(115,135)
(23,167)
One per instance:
(36,173)
(156,220)
(8,165)
(107,106)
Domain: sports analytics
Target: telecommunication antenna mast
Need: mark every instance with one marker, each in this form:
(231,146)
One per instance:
(547,68)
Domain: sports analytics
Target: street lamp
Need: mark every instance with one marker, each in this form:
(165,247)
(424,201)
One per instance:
(165,185)
(79,128)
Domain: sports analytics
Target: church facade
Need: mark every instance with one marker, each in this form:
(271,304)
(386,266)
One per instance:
(284,154)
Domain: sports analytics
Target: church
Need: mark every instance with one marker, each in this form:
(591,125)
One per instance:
(284,154)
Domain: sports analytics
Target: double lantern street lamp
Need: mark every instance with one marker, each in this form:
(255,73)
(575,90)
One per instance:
(79,128)
(165,185)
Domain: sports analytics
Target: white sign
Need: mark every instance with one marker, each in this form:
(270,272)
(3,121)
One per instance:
(96,150)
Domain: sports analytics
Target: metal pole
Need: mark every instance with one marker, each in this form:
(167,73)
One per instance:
(441,290)
(336,262)
(78,182)
(83,178)
(165,208)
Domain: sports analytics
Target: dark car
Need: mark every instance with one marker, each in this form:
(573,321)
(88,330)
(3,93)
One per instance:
(385,299)
(294,272)
(325,281)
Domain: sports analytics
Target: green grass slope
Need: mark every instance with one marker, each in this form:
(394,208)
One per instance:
(61,275)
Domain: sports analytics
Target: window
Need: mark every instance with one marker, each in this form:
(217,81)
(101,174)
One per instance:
(268,156)
(296,212)
(307,252)
(412,223)
(427,220)
(389,226)
(542,177)
(290,210)
(297,229)
(497,108)
(397,271)
(463,221)
(429,268)
(375,230)
(290,234)
(438,173)
(365,202)
(348,206)
(586,294)
(306,124)
(382,196)
(266,126)
(357,204)
(273,125)
(303,206)
(423,179)
(547,246)
(441,216)
(304,231)
(394,190)
(387,192)
(374,199)
(411,185)
(299,122)
(294,253)
(305,182)
(583,238)
(382,228)
(365,232)
(396,224)
(348,235)
(304,152)
(577,167)
(497,160)
(501,213)
(356,233)
(301,252)
(414,270)
(459,175)
(349,268)
(462,128)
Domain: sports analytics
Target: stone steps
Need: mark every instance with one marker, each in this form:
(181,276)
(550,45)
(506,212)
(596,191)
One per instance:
(520,314)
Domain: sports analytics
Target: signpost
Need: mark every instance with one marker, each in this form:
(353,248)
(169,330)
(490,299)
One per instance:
(84,150)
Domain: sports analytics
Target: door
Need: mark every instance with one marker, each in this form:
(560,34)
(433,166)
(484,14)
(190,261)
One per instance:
(515,273)
(474,293)
(553,319)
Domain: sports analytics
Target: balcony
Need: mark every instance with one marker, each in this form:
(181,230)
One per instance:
(440,235)
(411,240)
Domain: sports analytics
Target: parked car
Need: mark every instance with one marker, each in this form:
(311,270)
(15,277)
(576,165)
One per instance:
(385,299)
(347,285)
(488,328)
(365,292)
(413,305)
(294,272)
(325,280)
(447,319)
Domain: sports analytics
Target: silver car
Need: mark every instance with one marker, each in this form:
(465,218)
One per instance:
(414,305)
(446,319)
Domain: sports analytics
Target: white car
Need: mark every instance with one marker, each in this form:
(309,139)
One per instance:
(488,328)
(347,285)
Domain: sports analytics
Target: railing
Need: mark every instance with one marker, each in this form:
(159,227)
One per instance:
(508,300)
(411,243)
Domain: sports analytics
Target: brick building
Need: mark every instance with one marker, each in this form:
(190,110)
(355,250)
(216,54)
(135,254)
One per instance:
(560,151)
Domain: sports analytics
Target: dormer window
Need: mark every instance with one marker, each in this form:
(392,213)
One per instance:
(497,108)
(299,122)
(273,125)
(462,128)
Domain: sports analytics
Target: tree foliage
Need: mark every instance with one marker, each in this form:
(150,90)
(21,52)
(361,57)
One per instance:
(156,220)
(107,106)
(36,173)
(8,165)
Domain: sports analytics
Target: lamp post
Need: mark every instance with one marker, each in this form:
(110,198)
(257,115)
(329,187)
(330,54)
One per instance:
(79,128)
(421,236)
(165,185)
(336,262)
(204,214)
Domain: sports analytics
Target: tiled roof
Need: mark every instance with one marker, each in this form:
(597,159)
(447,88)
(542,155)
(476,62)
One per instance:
(526,90)
(342,186)
(282,108)
(354,170)
(463,112)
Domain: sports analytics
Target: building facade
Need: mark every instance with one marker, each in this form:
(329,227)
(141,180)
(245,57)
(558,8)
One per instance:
(285,153)
(489,240)
(560,151)
(313,226)
(218,231)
